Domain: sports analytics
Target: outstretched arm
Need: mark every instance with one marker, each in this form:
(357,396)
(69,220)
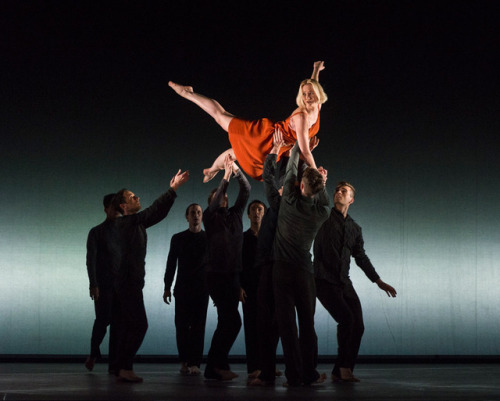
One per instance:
(302,128)
(317,67)
(244,191)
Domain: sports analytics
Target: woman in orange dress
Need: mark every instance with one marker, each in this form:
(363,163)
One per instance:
(251,141)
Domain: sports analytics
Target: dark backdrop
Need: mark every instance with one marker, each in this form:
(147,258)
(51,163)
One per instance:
(411,121)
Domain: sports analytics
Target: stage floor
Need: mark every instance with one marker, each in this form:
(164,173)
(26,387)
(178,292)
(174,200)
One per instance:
(423,382)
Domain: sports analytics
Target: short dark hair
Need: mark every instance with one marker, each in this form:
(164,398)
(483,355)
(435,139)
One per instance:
(314,180)
(345,184)
(190,206)
(118,199)
(253,202)
(107,201)
(211,195)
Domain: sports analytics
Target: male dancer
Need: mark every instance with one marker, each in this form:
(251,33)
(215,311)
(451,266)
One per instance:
(249,283)
(337,240)
(189,249)
(129,280)
(302,211)
(224,228)
(266,320)
(101,250)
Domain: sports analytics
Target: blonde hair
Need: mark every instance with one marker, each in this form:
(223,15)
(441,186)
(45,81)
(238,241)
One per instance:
(317,88)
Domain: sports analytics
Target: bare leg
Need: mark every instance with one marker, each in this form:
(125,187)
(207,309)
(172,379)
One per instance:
(217,165)
(211,106)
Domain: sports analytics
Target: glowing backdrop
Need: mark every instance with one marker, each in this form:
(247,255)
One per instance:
(412,122)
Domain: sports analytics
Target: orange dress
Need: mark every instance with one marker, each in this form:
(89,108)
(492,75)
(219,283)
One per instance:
(253,140)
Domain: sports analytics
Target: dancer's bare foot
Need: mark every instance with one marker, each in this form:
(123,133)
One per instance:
(225,375)
(89,363)
(181,90)
(184,370)
(320,379)
(259,382)
(194,371)
(346,375)
(254,374)
(208,175)
(129,376)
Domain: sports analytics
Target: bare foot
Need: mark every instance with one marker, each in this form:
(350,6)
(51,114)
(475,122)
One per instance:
(184,370)
(225,375)
(259,383)
(347,376)
(129,376)
(89,363)
(320,379)
(254,374)
(208,175)
(194,371)
(181,90)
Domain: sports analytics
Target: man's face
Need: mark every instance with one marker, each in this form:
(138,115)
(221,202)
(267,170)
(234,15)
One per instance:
(343,196)
(195,215)
(132,203)
(256,213)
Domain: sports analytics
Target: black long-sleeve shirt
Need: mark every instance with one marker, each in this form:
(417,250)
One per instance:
(337,240)
(103,253)
(270,220)
(224,227)
(189,251)
(299,219)
(133,239)
(251,272)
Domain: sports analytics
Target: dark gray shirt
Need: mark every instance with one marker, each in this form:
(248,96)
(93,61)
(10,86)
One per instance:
(299,219)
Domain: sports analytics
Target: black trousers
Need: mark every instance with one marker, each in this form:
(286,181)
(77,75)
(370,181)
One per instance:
(105,315)
(133,324)
(267,324)
(250,308)
(344,306)
(225,292)
(295,292)
(190,318)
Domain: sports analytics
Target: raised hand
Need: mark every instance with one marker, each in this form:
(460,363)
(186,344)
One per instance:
(179,179)
(228,166)
(323,172)
(313,142)
(319,65)
(278,141)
